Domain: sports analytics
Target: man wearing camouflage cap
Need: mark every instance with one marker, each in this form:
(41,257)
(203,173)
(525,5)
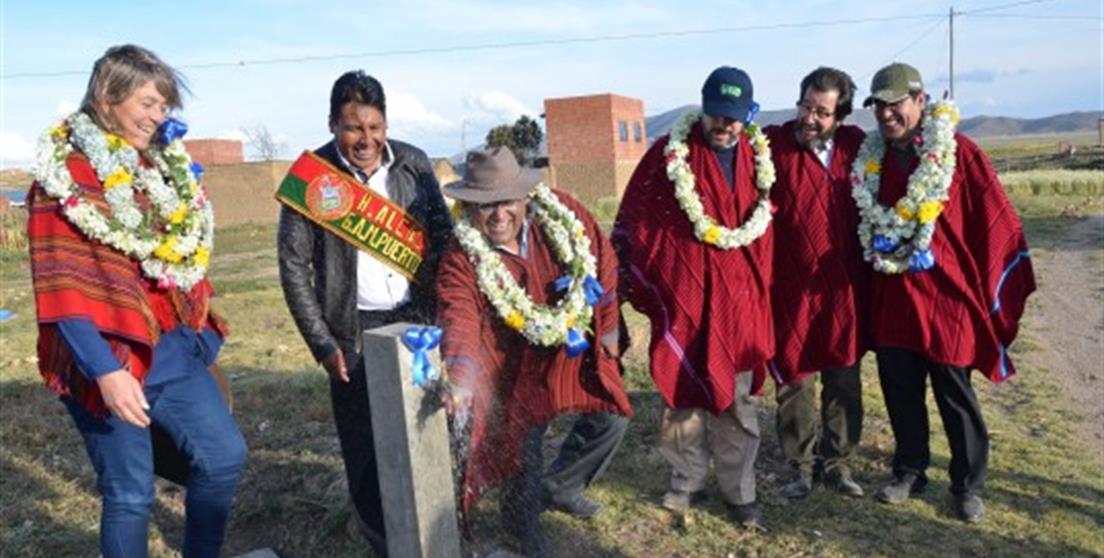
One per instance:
(951,279)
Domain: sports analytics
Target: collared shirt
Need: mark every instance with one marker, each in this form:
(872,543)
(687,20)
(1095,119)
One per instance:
(378,286)
(823,151)
(523,242)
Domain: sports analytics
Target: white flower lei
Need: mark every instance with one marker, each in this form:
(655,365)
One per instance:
(906,229)
(540,324)
(172,240)
(706,228)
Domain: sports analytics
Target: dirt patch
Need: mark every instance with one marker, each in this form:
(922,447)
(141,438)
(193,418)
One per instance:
(1070,322)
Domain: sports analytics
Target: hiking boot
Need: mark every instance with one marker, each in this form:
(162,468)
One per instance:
(679,501)
(581,506)
(798,488)
(969,507)
(842,482)
(745,515)
(901,488)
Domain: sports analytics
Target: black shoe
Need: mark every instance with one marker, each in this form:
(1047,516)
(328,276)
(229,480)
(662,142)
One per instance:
(581,506)
(901,488)
(842,482)
(798,488)
(746,515)
(969,507)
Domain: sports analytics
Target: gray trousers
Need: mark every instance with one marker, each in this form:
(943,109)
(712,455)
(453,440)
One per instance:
(841,416)
(689,438)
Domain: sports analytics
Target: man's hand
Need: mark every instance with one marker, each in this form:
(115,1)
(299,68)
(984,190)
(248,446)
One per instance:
(335,366)
(457,400)
(610,348)
(124,397)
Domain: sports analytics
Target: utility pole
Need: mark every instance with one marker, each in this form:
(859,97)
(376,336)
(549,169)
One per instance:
(951,15)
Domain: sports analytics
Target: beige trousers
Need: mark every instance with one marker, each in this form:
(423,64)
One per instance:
(688,438)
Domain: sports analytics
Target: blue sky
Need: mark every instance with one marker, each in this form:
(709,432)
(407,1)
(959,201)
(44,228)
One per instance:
(1030,59)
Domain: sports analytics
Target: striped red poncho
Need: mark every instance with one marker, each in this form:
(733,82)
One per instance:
(820,279)
(965,311)
(709,308)
(78,278)
(518,385)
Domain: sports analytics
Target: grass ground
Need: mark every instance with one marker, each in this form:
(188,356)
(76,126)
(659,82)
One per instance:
(1045,492)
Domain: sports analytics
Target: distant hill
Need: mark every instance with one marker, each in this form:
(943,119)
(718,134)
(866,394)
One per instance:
(977,126)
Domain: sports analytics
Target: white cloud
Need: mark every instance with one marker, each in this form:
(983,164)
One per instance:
(15,150)
(66,107)
(496,107)
(407,115)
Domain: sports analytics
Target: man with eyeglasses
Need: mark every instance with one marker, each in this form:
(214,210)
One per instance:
(818,287)
(951,278)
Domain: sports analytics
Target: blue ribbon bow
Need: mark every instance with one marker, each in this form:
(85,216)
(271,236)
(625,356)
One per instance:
(420,339)
(753,110)
(922,260)
(883,245)
(197,170)
(591,288)
(576,343)
(172,129)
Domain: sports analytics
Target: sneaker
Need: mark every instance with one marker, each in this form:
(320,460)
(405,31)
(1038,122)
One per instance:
(679,501)
(969,507)
(842,482)
(581,506)
(746,515)
(798,488)
(901,488)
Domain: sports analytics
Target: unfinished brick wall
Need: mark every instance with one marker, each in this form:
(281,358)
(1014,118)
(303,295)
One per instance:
(209,152)
(592,140)
(243,193)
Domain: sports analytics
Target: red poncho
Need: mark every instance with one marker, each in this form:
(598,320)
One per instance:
(75,277)
(820,278)
(965,311)
(709,308)
(517,385)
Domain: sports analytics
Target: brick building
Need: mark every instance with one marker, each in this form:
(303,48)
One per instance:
(594,143)
(209,152)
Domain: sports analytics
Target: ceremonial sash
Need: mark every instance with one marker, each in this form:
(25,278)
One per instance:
(342,205)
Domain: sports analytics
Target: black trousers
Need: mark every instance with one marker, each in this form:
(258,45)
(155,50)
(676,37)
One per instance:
(585,454)
(353,417)
(903,375)
(841,416)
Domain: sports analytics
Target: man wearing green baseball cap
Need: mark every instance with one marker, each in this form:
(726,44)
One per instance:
(951,278)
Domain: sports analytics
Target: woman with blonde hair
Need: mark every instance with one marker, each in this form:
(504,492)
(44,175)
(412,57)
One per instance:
(120,238)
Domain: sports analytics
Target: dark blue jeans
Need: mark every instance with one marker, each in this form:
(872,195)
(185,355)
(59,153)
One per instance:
(191,410)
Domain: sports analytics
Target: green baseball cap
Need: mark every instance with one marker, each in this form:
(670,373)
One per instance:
(893,83)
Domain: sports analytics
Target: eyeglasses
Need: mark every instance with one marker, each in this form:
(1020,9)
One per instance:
(819,113)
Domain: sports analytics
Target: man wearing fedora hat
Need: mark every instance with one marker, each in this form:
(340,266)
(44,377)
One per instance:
(336,278)
(695,248)
(516,239)
(950,282)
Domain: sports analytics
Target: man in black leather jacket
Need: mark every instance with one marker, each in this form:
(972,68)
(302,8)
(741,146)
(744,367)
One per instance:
(335,291)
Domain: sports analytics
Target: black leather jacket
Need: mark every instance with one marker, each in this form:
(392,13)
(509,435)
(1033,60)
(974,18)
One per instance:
(318,270)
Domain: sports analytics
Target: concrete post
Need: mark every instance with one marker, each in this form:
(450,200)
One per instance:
(412,451)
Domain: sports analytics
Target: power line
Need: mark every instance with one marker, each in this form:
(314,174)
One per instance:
(904,49)
(1034,16)
(1002,7)
(507,45)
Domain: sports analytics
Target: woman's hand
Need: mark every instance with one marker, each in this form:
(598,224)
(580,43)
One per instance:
(124,397)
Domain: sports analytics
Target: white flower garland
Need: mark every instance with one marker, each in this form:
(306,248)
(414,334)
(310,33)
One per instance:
(172,240)
(706,228)
(895,239)
(540,324)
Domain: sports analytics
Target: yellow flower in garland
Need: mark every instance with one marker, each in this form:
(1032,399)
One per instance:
(929,211)
(712,234)
(167,251)
(570,322)
(115,143)
(118,177)
(873,167)
(515,320)
(201,257)
(178,216)
(904,212)
(59,133)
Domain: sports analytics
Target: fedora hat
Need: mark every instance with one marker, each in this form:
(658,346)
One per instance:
(492,175)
